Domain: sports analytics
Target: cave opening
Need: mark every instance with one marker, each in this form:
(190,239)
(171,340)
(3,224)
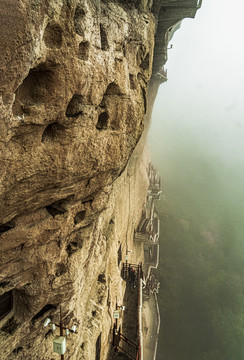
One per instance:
(78,17)
(144,94)
(108,298)
(6,304)
(80,216)
(6,227)
(53,36)
(101,278)
(3,284)
(102,122)
(17,350)
(51,132)
(98,347)
(83,52)
(119,255)
(74,108)
(36,88)
(53,211)
(104,40)
(58,207)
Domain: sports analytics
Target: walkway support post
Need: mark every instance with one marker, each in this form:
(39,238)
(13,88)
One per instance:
(61,327)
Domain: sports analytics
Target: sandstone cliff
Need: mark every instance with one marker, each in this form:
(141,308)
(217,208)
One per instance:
(74,100)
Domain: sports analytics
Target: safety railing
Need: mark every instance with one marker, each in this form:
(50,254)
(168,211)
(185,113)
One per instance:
(127,346)
(120,341)
(126,270)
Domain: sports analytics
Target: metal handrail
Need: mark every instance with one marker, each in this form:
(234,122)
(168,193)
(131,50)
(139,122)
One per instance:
(138,348)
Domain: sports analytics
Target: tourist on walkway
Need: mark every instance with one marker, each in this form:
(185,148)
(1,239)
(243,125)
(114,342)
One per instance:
(133,278)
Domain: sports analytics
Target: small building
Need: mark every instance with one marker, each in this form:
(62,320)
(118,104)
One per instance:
(161,75)
(149,234)
(154,188)
(147,216)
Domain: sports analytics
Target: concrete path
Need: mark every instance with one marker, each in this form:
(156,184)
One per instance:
(149,327)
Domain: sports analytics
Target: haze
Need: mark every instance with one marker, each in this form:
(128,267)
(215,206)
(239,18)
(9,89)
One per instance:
(204,92)
(196,141)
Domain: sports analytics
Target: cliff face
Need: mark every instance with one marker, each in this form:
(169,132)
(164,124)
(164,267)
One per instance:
(73,83)
(74,95)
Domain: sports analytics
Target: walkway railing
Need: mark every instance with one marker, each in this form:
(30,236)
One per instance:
(158,326)
(139,334)
(125,345)
(120,341)
(125,270)
(152,285)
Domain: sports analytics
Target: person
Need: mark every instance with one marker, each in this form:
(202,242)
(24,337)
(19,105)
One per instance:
(129,272)
(133,278)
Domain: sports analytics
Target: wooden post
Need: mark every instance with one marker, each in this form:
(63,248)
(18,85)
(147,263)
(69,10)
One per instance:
(116,320)
(114,340)
(61,329)
(116,330)
(126,261)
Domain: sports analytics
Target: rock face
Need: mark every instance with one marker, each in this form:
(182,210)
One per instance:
(74,79)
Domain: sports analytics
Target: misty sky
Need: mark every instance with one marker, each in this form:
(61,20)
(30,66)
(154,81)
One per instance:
(197,145)
(203,98)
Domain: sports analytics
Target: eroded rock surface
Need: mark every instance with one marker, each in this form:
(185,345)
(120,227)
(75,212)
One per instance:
(74,79)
